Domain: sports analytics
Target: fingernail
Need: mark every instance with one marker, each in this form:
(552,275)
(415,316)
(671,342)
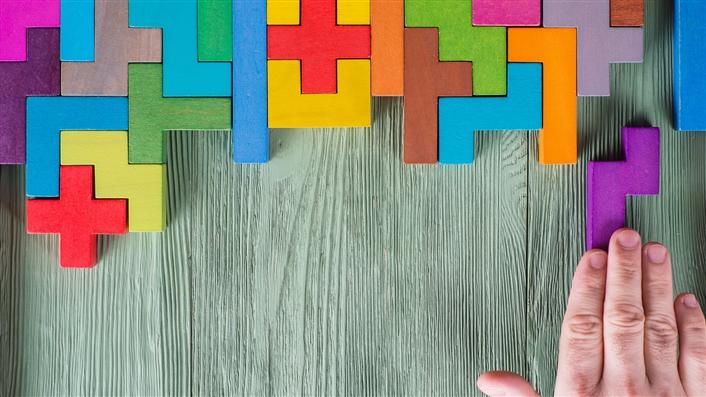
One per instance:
(657,253)
(629,239)
(598,261)
(690,301)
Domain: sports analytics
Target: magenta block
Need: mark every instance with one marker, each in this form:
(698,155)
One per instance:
(16,16)
(507,12)
(608,183)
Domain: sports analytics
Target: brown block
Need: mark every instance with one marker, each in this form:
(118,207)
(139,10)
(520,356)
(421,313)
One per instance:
(625,13)
(116,45)
(425,80)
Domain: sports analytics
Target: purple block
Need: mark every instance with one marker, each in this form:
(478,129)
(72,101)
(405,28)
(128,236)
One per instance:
(599,44)
(40,75)
(609,182)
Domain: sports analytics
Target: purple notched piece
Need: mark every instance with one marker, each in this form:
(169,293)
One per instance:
(609,182)
(599,44)
(40,75)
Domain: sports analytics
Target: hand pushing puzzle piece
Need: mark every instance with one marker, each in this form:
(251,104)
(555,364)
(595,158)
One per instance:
(460,118)
(143,185)
(459,40)
(507,12)
(39,75)
(609,182)
(318,42)
(16,16)
(599,44)
(77,217)
(690,65)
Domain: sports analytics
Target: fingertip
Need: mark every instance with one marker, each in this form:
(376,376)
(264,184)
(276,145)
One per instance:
(626,239)
(498,383)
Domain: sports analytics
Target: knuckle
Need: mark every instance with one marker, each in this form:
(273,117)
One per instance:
(626,318)
(584,327)
(627,268)
(661,331)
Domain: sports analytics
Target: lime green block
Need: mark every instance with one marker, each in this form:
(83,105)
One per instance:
(459,40)
(150,114)
(215,30)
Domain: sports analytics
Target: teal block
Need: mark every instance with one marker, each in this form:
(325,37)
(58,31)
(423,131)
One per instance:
(77,32)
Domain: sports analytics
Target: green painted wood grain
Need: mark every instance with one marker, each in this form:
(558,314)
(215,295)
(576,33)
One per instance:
(335,269)
(215,30)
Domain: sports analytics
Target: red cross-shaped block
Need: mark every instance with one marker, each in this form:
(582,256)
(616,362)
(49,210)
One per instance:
(318,42)
(77,217)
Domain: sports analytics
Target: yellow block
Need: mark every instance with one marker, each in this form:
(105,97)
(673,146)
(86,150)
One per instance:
(289,108)
(348,12)
(353,12)
(142,185)
(283,12)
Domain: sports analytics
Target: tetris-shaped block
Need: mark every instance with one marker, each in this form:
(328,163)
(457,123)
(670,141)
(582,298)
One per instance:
(39,75)
(47,117)
(599,44)
(507,12)
(184,75)
(116,46)
(387,47)
(78,30)
(143,185)
(555,48)
(625,13)
(427,79)
(460,118)
(608,183)
(459,40)
(151,114)
(16,16)
(77,217)
(289,108)
(216,29)
(690,65)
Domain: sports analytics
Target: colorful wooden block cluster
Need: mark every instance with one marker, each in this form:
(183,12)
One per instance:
(89,87)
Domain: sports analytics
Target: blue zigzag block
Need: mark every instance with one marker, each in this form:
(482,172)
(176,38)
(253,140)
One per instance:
(78,30)
(184,75)
(47,117)
(460,118)
(251,137)
(690,65)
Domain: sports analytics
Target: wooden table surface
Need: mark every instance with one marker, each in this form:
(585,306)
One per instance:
(337,270)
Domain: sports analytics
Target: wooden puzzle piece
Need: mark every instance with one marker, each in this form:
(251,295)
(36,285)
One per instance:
(39,75)
(609,182)
(251,136)
(627,13)
(289,108)
(143,185)
(150,114)
(427,79)
(690,65)
(184,75)
(387,47)
(459,40)
(460,118)
(283,12)
(555,48)
(216,30)
(78,30)
(47,117)
(116,46)
(599,45)
(318,42)
(77,217)
(507,12)
(16,16)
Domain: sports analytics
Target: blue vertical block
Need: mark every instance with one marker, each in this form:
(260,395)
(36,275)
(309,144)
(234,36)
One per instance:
(460,118)
(251,138)
(77,31)
(690,65)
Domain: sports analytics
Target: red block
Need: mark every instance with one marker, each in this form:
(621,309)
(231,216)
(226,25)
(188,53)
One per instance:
(77,217)
(318,42)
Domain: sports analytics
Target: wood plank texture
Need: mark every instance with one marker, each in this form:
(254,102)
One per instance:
(335,269)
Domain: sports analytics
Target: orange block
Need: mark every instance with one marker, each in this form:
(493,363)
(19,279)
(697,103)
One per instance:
(556,49)
(387,47)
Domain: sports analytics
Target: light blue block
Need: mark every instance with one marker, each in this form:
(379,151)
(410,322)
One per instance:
(251,137)
(47,117)
(690,65)
(77,31)
(460,118)
(184,75)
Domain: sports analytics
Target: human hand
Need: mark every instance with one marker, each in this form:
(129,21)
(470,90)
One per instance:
(622,333)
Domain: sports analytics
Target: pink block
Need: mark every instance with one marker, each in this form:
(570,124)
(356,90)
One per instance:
(18,15)
(506,12)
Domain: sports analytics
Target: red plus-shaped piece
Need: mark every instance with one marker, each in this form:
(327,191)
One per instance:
(318,42)
(77,217)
